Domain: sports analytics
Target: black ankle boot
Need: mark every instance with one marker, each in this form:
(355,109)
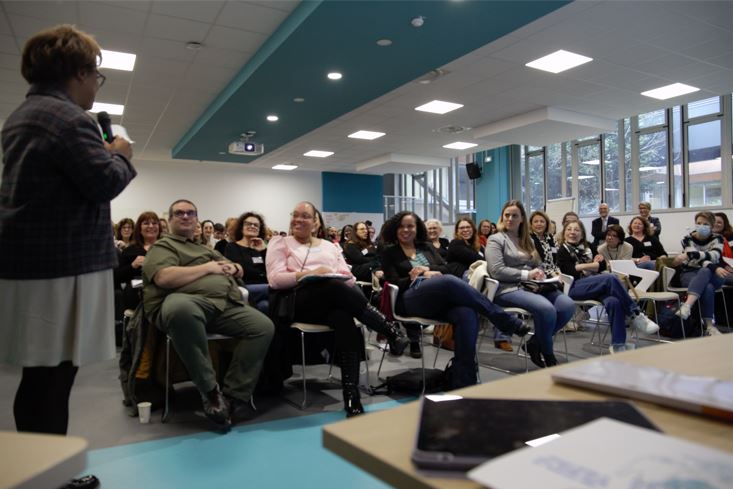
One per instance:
(349,362)
(375,320)
(532,348)
(550,359)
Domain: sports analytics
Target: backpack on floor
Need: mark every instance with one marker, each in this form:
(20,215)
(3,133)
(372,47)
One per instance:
(410,381)
(669,323)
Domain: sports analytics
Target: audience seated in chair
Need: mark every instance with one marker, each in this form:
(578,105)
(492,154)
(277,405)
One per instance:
(435,231)
(427,290)
(191,290)
(645,211)
(464,249)
(146,232)
(647,247)
(512,259)
(250,251)
(361,254)
(700,269)
(301,264)
(615,247)
(575,259)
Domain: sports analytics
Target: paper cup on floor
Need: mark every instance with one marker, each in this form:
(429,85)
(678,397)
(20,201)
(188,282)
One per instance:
(143,411)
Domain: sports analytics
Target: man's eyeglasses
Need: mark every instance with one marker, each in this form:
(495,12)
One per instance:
(100,79)
(248,224)
(181,213)
(305,217)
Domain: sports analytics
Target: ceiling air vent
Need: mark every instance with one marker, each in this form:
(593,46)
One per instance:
(451,129)
(432,75)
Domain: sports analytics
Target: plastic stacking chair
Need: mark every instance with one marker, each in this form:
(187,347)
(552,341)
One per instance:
(309,328)
(585,305)
(423,322)
(640,293)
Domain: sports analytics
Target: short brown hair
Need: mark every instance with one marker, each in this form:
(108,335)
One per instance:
(137,234)
(57,54)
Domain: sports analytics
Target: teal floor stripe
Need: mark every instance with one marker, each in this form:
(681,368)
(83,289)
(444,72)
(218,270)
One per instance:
(282,453)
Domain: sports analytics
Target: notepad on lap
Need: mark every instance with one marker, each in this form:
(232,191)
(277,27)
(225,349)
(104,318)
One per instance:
(703,395)
(608,454)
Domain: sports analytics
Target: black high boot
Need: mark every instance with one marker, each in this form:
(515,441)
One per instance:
(349,361)
(375,320)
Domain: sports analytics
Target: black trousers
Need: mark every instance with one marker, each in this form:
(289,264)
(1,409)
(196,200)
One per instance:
(336,304)
(42,400)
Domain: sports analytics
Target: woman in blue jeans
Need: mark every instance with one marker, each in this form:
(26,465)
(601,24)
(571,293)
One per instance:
(427,290)
(700,270)
(511,259)
(576,259)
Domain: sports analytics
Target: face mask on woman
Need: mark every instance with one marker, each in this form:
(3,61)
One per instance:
(703,230)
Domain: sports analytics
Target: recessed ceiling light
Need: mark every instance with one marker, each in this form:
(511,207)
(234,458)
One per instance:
(298,100)
(111,109)
(334,75)
(559,61)
(318,154)
(459,145)
(194,46)
(384,42)
(585,177)
(116,60)
(285,167)
(591,162)
(370,135)
(439,107)
(273,118)
(670,91)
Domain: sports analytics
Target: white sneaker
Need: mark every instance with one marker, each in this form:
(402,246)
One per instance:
(616,349)
(712,331)
(644,325)
(683,311)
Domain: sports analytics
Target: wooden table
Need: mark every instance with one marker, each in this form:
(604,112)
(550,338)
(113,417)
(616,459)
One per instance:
(37,461)
(381,442)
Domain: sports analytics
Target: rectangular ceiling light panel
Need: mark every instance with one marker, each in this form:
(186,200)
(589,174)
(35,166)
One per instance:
(559,61)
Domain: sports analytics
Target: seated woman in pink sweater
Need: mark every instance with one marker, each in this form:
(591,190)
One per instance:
(325,294)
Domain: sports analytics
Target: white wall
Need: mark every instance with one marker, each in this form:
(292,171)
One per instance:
(675,225)
(219,190)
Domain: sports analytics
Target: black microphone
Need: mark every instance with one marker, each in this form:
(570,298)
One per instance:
(106,124)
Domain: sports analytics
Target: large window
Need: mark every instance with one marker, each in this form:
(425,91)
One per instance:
(672,158)
(589,176)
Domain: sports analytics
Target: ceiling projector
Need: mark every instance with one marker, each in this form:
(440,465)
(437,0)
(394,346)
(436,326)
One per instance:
(246,148)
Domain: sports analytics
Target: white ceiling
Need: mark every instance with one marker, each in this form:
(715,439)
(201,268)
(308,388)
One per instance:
(636,46)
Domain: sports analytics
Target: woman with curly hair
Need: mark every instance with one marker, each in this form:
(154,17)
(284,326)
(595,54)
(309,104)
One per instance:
(428,290)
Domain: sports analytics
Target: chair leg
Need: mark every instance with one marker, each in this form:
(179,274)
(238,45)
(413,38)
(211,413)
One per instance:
(302,359)
(437,351)
(422,362)
(379,370)
(725,308)
(164,417)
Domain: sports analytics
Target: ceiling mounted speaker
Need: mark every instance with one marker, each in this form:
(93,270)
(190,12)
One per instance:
(473,170)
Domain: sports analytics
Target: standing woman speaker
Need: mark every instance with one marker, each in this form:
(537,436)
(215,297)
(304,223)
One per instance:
(56,293)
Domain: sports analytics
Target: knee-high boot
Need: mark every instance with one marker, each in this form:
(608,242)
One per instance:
(349,361)
(375,320)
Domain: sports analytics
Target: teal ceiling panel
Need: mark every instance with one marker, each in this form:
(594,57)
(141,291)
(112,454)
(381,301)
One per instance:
(319,37)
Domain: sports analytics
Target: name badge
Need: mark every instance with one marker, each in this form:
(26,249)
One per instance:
(553,249)
(647,243)
(364,251)
(257,260)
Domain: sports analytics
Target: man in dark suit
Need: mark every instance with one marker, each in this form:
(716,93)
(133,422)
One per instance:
(600,224)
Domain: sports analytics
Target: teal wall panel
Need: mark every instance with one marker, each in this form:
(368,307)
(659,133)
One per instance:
(348,192)
(493,189)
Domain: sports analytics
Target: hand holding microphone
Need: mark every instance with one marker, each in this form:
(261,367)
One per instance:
(113,144)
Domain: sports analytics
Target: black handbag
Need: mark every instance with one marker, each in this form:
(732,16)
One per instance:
(282,304)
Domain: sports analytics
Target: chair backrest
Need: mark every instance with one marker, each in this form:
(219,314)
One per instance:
(567,282)
(393,291)
(492,285)
(629,268)
(667,274)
